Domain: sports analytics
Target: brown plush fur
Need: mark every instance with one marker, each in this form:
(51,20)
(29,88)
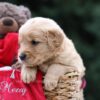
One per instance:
(18,14)
(45,45)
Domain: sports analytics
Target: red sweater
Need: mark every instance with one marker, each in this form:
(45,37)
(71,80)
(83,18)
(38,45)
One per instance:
(15,89)
(8,49)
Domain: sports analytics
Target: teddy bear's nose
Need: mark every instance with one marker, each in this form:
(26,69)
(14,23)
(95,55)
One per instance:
(8,22)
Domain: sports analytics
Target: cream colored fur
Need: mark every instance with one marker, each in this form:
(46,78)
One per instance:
(54,52)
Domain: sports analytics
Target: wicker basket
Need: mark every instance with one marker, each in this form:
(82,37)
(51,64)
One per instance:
(68,87)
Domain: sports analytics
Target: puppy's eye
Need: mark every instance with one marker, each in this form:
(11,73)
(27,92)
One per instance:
(35,42)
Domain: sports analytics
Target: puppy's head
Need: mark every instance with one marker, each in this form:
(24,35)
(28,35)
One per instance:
(40,39)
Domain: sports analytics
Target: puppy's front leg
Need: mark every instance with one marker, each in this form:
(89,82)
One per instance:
(52,76)
(28,74)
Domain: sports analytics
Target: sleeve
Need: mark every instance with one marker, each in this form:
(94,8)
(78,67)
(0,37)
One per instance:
(10,49)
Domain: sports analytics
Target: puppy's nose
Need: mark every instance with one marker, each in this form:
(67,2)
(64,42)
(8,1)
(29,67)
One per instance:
(22,56)
(8,22)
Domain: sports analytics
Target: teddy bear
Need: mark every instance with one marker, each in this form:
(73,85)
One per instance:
(11,19)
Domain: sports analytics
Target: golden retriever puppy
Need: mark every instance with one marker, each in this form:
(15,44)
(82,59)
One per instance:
(44,45)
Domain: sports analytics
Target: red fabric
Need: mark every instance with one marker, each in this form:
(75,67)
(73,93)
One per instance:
(83,85)
(8,49)
(15,89)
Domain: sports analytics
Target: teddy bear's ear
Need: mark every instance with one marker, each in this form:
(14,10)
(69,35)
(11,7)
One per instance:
(55,39)
(26,11)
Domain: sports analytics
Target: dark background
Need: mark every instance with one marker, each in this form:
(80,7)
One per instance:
(80,19)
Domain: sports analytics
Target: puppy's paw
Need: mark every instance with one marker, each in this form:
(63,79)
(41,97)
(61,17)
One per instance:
(17,65)
(50,83)
(28,75)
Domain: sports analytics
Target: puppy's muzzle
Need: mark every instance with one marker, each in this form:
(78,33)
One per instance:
(22,56)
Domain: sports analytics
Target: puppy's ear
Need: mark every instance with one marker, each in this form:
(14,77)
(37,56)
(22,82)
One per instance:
(55,39)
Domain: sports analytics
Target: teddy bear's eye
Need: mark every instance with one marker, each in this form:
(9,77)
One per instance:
(35,42)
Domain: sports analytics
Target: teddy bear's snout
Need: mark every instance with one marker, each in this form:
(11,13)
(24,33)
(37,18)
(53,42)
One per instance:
(8,22)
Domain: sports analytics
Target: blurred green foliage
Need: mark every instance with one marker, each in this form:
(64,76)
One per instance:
(80,19)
